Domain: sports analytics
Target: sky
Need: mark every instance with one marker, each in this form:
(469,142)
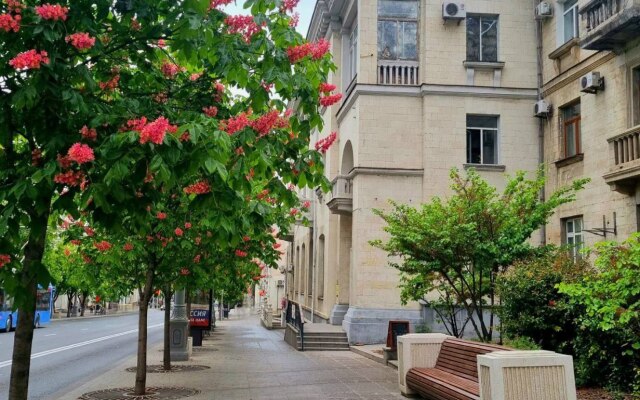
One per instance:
(305,9)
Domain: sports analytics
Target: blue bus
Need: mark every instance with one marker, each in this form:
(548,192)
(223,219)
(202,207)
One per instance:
(44,308)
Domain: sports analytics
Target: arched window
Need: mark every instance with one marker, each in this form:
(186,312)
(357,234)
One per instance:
(320,267)
(303,268)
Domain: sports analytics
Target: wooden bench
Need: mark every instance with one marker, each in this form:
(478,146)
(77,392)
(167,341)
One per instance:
(455,375)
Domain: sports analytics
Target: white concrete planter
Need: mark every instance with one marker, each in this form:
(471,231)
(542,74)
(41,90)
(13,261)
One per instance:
(526,375)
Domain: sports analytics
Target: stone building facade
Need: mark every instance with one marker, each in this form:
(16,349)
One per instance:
(422,95)
(591,81)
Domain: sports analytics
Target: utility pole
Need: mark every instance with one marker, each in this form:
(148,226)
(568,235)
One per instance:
(179,328)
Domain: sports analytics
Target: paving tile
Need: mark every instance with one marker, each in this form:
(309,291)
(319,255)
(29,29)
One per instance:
(252,363)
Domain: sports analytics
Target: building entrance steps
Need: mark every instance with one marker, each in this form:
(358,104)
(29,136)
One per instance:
(247,361)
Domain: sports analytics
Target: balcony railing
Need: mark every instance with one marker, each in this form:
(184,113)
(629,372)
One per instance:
(626,159)
(341,201)
(626,147)
(397,72)
(610,24)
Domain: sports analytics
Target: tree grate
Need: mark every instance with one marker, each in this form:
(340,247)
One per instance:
(153,393)
(159,369)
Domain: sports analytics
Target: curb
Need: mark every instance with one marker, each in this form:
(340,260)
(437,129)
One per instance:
(92,316)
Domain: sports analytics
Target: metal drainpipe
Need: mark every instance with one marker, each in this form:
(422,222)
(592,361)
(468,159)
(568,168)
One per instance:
(539,64)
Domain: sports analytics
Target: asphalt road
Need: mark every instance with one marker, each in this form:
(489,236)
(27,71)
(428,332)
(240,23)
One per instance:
(68,353)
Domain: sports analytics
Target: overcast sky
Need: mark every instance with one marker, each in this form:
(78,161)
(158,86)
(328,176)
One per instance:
(305,9)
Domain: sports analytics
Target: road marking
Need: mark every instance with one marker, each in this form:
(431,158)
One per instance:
(84,329)
(51,334)
(76,345)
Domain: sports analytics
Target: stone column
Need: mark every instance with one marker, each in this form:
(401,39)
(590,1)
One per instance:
(179,328)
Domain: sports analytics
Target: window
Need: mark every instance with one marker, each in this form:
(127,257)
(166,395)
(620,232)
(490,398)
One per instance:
(574,236)
(353,54)
(635,92)
(482,139)
(570,20)
(482,38)
(42,300)
(310,270)
(320,279)
(398,29)
(303,269)
(571,130)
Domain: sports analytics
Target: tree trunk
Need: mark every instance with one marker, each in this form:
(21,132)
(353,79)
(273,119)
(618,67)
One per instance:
(141,369)
(69,303)
(83,302)
(23,339)
(166,356)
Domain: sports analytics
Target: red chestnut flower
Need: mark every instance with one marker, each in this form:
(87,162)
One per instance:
(80,153)
(52,12)
(31,59)
(81,40)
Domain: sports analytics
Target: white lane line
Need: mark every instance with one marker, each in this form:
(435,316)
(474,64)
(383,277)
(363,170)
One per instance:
(51,334)
(76,345)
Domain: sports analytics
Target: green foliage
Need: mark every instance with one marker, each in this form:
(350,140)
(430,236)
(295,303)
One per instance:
(422,328)
(609,335)
(521,343)
(465,241)
(532,307)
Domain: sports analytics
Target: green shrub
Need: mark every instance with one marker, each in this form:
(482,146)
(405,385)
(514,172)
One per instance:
(608,344)
(533,308)
(422,328)
(521,343)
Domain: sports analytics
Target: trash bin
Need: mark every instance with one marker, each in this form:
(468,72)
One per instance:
(226,313)
(196,334)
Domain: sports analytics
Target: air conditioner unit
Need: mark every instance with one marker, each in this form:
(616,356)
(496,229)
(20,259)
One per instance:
(542,109)
(591,83)
(544,10)
(453,10)
(290,268)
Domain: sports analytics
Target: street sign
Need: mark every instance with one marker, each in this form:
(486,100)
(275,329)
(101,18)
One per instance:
(200,319)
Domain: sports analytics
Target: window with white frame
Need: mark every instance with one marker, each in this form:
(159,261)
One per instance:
(570,20)
(482,139)
(353,54)
(574,235)
(398,29)
(482,38)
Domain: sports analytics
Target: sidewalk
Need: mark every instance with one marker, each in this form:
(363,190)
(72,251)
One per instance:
(249,362)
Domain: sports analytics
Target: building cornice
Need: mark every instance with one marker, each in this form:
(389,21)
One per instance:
(428,89)
(327,14)
(576,72)
(384,171)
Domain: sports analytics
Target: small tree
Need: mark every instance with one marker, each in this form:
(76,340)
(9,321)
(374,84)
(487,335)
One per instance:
(464,242)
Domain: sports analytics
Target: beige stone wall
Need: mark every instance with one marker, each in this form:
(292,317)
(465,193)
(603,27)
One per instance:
(444,45)
(603,115)
(445,138)
(406,140)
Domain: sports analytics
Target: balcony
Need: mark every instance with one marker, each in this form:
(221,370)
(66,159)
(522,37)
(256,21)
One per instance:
(610,24)
(397,72)
(341,201)
(625,174)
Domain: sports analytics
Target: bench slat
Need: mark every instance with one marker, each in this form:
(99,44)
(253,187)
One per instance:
(434,384)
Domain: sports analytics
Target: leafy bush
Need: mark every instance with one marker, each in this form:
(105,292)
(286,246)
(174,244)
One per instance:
(608,344)
(533,308)
(521,343)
